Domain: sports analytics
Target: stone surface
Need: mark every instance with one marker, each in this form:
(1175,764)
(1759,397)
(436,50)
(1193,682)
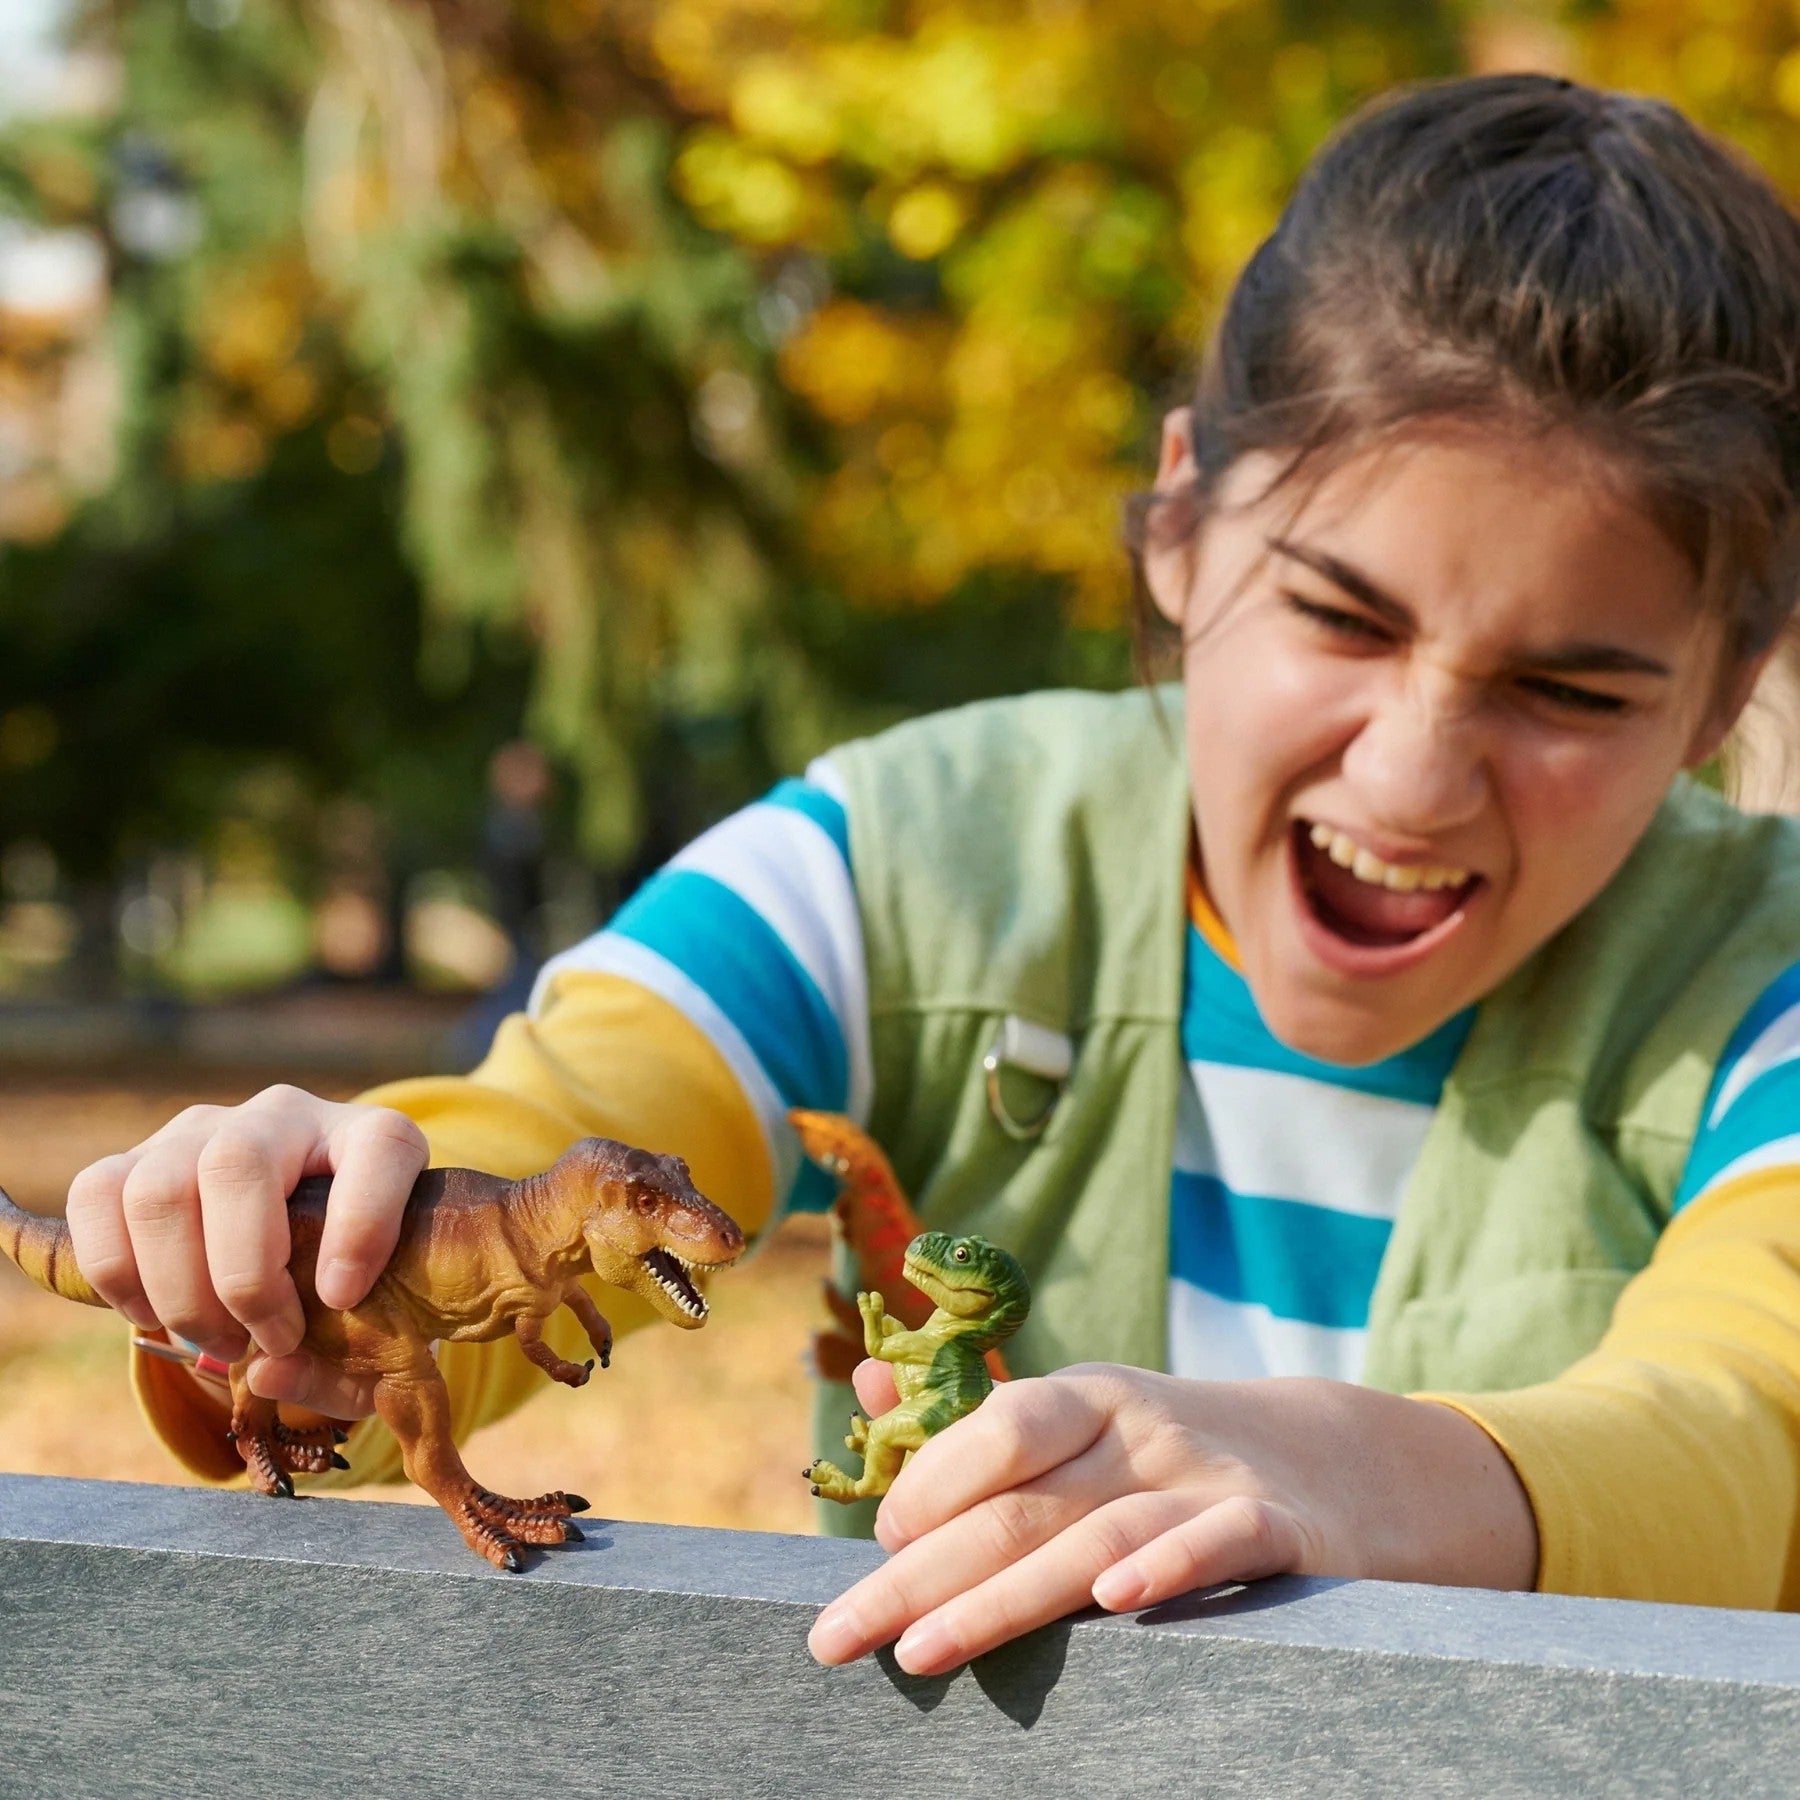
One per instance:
(160,1641)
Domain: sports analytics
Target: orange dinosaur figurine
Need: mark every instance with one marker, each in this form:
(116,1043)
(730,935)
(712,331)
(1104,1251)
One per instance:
(877,1222)
(478,1258)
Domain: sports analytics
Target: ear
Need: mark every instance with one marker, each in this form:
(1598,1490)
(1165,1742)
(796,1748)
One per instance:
(1169,566)
(1734,695)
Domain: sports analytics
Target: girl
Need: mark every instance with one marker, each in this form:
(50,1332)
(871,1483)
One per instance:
(1389,1078)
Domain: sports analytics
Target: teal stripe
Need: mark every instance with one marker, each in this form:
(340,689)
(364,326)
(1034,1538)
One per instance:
(825,812)
(1302,1262)
(1764,1113)
(731,952)
(1220,1024)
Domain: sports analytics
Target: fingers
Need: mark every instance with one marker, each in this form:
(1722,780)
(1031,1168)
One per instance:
(1240,1539)
(1049,1583)
(245,1172)
(875,1389)
(103,1253)
(190,1229)
(377,1155)
(1018,1433)
(306,1381)
(1012,1563)
(958,1556)
(160,1201)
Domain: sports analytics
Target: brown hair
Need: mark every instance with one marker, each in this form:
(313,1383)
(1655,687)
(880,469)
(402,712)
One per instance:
(1551,257)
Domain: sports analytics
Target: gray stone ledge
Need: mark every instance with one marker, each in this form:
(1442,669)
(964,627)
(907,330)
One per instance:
(173,1641)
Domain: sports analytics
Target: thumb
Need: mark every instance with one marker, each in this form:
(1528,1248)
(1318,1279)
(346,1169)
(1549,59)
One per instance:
(874,1383)
(307,1381)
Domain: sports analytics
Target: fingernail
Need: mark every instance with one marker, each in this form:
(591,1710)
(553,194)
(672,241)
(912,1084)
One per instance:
(834,1637)
(337,1281)
(1119,1588)
(925,1648)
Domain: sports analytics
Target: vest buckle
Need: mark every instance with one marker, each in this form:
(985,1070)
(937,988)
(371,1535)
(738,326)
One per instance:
(1034,1049)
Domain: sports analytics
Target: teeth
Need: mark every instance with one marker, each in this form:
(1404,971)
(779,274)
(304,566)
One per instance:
(1365,865)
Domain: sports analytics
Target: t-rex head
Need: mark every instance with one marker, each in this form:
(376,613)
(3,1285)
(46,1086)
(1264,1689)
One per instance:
(647,1228)
(970,1278)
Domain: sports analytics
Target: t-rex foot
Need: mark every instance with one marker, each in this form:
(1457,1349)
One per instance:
(277,1453)
(830,1482)
(500,1528)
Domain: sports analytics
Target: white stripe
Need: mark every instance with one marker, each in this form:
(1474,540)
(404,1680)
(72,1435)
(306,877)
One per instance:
(822,773)
(1778,1042)
(607,953)
(1765,1156)
(786,867)
(1286,1137)
(1211,1339)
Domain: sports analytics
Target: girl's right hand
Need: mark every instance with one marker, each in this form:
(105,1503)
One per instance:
(188,1231)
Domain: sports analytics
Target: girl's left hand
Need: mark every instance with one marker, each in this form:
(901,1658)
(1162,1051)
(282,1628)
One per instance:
(1122,1487)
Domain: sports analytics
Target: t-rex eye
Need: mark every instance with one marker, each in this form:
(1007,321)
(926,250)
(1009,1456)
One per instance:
(961,1252)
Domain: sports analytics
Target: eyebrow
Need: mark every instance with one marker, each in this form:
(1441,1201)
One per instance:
(1573,658)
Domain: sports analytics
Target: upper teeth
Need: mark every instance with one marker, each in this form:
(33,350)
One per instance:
(1365,865)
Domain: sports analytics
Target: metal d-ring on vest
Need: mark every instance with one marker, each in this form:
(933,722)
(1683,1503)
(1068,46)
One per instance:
(1037,1050)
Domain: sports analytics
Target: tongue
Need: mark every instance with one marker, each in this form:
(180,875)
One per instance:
(1366,912)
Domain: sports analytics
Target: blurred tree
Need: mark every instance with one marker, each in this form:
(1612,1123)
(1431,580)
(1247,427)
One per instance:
(734,374)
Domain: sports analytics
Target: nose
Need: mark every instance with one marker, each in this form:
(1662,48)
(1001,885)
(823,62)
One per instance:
(1419,762)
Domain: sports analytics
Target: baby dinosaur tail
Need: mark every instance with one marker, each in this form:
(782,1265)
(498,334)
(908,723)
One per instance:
(41,1247)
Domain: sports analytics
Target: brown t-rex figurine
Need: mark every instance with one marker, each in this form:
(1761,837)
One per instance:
(478,1257)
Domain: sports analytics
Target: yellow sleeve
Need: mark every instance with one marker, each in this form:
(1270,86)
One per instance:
(606,1058)
(1666,1464)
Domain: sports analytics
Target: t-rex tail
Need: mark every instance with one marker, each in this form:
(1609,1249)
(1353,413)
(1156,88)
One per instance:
(42,1248)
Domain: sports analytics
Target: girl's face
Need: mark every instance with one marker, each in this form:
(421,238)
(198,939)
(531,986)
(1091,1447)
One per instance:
(1428,716)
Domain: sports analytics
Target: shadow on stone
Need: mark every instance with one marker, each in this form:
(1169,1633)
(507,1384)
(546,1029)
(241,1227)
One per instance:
(924,1692)
(1019,1677)
(1235,1599)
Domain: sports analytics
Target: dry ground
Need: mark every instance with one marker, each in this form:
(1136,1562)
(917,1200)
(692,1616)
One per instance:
(700,1428)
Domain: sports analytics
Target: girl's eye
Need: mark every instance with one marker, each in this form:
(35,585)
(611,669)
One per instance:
(1575,699)
(1339,621)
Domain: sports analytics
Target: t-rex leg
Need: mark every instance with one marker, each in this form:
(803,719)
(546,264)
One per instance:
(253,1424)
(600,1334)
(529,1330)
(888,1441)
(273,1451)
(415,1405)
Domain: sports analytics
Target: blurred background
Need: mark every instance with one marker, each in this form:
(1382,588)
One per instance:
(451,451)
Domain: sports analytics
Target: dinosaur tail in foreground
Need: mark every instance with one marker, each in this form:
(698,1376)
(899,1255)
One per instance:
(42,1248)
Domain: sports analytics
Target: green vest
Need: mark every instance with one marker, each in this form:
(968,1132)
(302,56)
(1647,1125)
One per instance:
(1026,857)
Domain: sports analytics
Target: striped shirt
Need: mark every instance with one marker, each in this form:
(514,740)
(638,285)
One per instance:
(1288,1171)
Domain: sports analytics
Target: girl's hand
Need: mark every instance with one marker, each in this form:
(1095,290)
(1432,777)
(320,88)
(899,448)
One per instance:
(1125,1488)
(189,1230)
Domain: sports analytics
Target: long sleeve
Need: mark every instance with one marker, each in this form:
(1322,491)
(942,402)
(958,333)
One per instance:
(1666,1464)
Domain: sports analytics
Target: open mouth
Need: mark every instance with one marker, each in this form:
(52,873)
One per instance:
(1371,905)
(670,1274)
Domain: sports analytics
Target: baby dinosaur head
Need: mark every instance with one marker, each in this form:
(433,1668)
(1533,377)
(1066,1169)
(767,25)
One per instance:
(969,1278)
(648,1229)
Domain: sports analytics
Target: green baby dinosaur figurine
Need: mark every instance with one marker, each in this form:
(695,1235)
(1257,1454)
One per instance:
(982,1297)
